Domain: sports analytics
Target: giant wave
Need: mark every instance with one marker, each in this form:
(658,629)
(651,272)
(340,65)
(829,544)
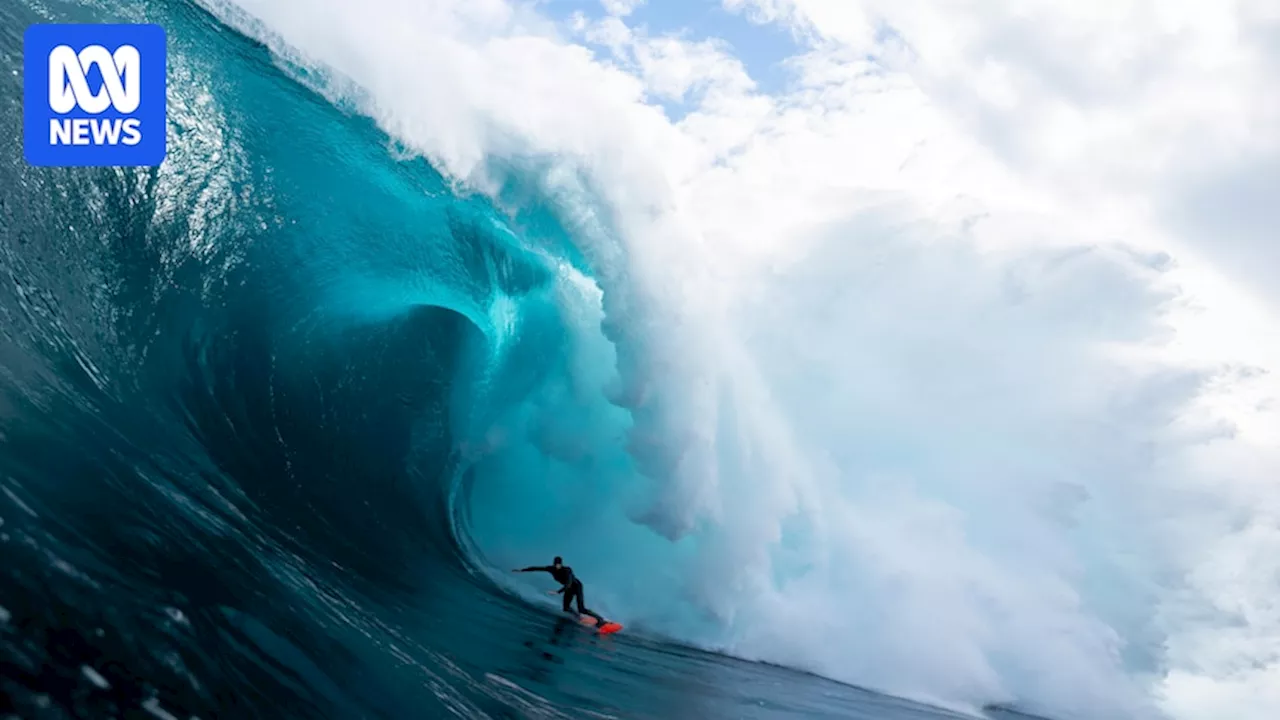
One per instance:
(366,340)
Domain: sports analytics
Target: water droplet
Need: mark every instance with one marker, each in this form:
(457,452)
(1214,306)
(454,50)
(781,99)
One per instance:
(152,705)
(94,677)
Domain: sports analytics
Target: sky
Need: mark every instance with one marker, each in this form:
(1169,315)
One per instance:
(1022,251)
(762,48)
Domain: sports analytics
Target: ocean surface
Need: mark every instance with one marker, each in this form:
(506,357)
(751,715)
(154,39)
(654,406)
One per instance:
(278,417)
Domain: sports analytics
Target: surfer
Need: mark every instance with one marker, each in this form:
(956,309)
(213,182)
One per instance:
(570,586)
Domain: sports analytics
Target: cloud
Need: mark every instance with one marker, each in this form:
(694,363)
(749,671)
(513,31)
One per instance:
(1114,106)
(621,8)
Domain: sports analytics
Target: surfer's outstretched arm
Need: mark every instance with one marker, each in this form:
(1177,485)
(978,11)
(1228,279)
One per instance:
(534,569)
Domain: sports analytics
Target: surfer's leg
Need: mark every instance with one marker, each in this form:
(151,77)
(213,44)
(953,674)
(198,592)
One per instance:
(582,610)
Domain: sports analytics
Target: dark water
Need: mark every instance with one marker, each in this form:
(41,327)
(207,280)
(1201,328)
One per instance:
(233,393)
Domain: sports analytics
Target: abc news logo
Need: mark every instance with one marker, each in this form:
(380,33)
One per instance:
(69,89)
(94,95)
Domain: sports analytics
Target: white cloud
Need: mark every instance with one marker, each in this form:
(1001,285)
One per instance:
(1114,105)
(621,8)
(964,322)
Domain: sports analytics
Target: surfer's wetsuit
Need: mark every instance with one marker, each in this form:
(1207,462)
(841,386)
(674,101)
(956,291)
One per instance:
(570,587)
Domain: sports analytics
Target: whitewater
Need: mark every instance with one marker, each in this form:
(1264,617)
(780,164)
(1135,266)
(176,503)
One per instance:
(915,386)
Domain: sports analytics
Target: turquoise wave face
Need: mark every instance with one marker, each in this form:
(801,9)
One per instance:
(340,331)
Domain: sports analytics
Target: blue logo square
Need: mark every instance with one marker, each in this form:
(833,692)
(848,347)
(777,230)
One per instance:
(94,95)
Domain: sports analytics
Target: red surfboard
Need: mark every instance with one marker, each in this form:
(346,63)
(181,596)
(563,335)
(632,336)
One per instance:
(606,629)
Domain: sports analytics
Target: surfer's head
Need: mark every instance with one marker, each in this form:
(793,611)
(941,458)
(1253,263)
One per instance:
(557,562)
